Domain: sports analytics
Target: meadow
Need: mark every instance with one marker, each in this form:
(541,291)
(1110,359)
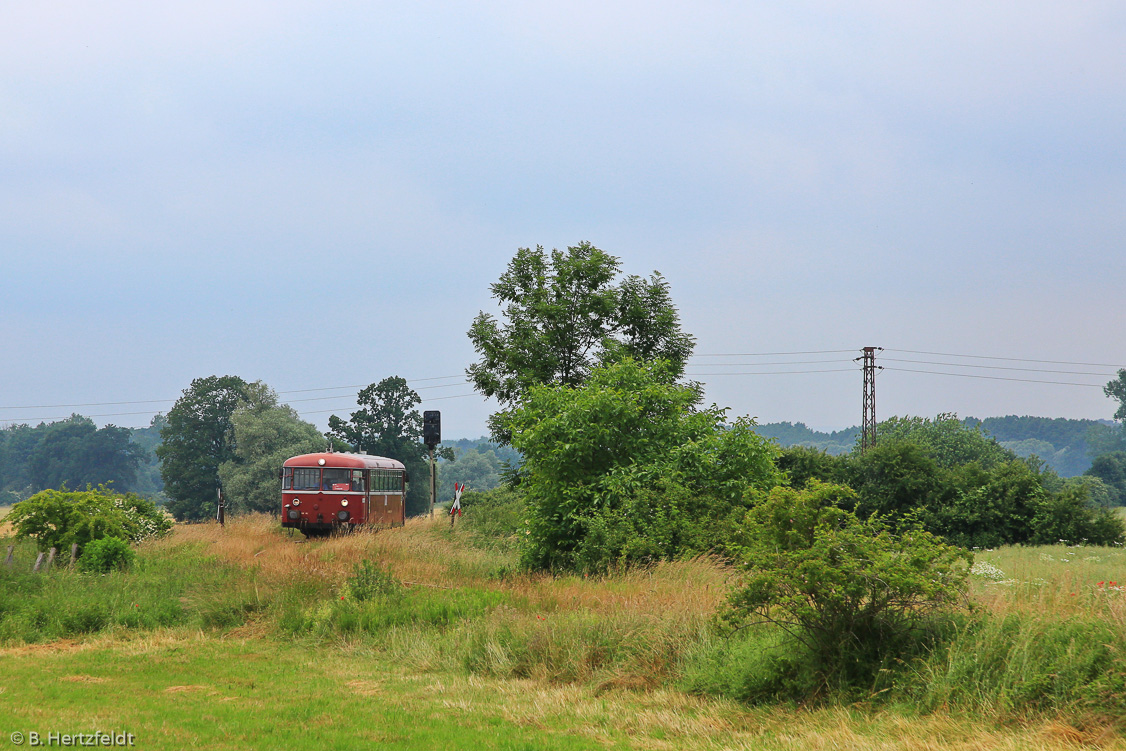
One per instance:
(426,637)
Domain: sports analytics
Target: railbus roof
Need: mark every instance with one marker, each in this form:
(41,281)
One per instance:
(343,459)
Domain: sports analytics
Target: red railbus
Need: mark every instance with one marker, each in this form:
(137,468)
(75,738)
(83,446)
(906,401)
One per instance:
(336,490)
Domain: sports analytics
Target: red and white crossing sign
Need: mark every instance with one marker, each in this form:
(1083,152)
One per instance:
(456,507)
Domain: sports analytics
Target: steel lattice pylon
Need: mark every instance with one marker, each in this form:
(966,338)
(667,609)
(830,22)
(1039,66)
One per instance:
(868,423)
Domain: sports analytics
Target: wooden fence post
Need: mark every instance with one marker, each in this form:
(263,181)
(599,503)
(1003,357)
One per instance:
(38,563)
(8,560)
(51,558)
(73,553)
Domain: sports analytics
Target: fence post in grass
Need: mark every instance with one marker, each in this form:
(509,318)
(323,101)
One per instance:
(8,560)
(51,558)
(73,553)
(38,563)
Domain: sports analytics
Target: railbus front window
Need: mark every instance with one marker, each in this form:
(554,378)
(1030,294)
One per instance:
(357,481)
(287,478)
(306,478)
(336,479)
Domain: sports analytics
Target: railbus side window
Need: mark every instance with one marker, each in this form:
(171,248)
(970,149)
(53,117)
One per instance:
(306,478)
(287,478)
(386,481)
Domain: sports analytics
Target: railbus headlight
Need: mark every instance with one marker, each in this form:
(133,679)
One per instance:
(344,502)
(293,514)
(343,515)
(296,501)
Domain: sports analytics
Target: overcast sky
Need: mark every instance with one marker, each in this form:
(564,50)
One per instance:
(319,194)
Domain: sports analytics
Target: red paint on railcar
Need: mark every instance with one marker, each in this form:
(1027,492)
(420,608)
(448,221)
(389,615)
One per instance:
(332,490)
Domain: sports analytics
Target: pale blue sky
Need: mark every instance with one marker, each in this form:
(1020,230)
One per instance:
(190,189)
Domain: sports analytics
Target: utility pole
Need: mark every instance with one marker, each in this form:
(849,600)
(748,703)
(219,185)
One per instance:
(432,436)
(868,423)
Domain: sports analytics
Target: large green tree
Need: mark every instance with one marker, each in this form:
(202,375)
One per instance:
(626,468)
(196,439)
(389,424)
(564,314)
(1116,390)
(75,452)
(265,435)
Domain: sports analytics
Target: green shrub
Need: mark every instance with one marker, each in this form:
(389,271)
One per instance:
(105,555)
(370,581)
(494,517)
(852,592)
(60,518)
(593,451)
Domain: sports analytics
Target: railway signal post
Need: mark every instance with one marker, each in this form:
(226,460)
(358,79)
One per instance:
(432,436)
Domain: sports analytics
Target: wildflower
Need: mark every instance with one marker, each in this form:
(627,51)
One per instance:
(1100,584)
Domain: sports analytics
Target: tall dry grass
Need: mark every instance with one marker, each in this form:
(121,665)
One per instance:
(425,553)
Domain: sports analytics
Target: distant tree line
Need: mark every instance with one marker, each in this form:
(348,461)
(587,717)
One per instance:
(73,452)
(1067,446)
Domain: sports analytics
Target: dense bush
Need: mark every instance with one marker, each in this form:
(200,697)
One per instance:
(105,555)
(849,591)
(60,518)
(494,518)
(625,469)
(962,486)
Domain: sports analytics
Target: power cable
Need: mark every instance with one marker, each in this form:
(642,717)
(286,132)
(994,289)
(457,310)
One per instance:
(993,378)
(994,367)
(1011,359)
(775,372)
(774,354)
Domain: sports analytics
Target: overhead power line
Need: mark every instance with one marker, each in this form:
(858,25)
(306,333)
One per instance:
(1011,359)
(996,367)
(764,364)
(340,409)
(993,378)
(773,372)
(166,401)
(777,354)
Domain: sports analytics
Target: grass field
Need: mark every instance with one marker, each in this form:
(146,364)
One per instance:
(248,637)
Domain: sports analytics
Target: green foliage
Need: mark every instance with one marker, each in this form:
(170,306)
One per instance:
(1111,470)
(389,424)
(852,592)
(197,438)
(60,518)
(375,614)
(800,435)
(149,482)
(1064,444)
(960,485)
(479,466)
(1013,664)
(800,464)
(946,440)
(494,518)
(73,452)
(625,469)
(165,587)
(265,435)
(371,581)
(563,316)
(1116,390)
(106,554)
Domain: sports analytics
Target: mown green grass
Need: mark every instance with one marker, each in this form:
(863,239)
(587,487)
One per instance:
(177,690)
(205,693)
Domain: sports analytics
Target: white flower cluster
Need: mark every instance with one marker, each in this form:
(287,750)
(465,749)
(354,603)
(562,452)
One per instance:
(988,571)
